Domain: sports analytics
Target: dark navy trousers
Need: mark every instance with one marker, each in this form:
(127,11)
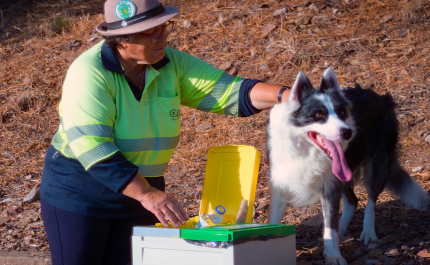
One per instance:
(76,239)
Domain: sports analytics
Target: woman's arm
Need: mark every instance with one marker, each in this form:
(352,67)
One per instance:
(265,96)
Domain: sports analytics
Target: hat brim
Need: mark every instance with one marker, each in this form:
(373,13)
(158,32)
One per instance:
(142,26)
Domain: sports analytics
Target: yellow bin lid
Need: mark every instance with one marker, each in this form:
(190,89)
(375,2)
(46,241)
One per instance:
(231,176)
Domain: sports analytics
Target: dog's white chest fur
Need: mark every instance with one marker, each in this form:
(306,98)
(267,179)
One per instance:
(297,166)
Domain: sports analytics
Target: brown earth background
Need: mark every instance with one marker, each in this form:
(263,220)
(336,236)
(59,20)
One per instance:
(380,44)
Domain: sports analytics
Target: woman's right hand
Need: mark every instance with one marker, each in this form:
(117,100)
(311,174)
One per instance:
(163,206)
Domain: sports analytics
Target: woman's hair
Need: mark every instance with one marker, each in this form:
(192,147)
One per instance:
(114,41)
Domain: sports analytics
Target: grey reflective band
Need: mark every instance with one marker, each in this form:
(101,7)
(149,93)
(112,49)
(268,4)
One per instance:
(97,153)
(137,18)
(232,106)
(147,144)
(152,170)
(216,93)
(98,130)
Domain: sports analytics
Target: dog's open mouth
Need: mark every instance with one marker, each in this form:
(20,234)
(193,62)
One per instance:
(318,139)
(334,151)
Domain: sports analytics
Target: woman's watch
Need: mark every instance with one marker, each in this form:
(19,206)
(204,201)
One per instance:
(281,91)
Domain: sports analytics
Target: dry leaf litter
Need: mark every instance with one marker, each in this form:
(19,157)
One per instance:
(383,45)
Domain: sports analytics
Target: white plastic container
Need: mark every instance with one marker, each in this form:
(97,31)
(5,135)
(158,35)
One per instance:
(165,250)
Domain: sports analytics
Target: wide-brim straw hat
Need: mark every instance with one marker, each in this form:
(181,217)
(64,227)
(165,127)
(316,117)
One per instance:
(127,17)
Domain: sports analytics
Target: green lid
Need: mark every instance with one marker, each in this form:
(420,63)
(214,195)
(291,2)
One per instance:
(231,232)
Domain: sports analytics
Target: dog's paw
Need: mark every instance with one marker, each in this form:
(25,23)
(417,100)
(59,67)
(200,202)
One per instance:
(335,261)
(368,236)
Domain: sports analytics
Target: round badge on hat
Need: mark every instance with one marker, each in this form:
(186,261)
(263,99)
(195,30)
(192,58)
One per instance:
(125,9)
(123,17)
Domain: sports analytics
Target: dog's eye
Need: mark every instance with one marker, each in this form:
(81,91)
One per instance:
(342,112)
(318,115)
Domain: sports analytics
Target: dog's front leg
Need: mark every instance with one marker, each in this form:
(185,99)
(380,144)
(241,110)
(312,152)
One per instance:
(278,202)
(349,204)
(330,204)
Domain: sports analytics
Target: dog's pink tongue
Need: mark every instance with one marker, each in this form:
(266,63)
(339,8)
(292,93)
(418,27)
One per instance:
(339,167)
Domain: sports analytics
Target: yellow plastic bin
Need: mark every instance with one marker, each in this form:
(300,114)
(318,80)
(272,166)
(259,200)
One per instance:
(230,177)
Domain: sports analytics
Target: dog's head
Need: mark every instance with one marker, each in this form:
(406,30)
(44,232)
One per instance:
(324,114)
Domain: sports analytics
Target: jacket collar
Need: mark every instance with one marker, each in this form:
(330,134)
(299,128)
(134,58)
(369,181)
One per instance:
(111,63)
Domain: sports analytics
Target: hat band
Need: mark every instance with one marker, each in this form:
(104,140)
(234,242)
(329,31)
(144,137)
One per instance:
(137,18)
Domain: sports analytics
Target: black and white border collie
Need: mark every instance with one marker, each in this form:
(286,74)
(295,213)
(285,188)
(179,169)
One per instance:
(322,141)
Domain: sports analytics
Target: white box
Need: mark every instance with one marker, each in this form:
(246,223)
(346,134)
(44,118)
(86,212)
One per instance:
(153,250)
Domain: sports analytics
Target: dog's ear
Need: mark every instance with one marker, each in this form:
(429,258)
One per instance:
(329,80)
(357,86)
(301,87)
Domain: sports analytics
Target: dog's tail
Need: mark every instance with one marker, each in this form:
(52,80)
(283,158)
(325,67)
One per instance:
(411,193)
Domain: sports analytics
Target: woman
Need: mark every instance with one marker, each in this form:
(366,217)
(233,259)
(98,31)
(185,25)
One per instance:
(119,126)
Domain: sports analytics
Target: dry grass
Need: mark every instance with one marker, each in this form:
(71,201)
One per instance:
(377,43)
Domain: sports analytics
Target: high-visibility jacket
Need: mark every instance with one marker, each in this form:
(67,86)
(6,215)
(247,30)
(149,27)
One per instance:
(100,115)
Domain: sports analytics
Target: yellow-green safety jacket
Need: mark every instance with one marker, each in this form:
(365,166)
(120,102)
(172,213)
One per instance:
(100,115)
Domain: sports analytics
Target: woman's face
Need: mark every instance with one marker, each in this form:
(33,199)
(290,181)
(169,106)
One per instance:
(148,46)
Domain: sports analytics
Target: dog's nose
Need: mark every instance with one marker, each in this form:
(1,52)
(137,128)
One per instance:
(346,133)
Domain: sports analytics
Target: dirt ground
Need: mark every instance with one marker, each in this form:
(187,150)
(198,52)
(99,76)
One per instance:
(379,44)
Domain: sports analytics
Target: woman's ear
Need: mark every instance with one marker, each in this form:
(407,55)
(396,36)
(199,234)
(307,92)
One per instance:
(122,45)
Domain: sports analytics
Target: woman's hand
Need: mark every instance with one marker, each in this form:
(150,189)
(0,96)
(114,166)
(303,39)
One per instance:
(165,207)
(156,201)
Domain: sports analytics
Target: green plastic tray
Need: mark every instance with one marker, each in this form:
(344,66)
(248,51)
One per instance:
(235,231)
